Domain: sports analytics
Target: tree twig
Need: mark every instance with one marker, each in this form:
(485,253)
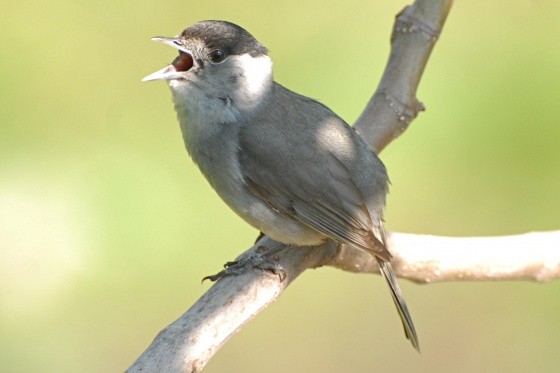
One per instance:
(394,105)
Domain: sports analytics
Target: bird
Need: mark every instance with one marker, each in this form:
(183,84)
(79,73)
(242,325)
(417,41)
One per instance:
(285,163)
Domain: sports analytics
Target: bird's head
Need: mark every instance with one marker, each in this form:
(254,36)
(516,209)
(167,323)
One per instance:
(220,67)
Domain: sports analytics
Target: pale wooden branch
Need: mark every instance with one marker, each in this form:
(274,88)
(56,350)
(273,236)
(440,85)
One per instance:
(427,259)
(188,343)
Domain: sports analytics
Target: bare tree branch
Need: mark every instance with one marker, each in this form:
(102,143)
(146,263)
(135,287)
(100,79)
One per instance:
(189,342)
(427,259)
(394,104)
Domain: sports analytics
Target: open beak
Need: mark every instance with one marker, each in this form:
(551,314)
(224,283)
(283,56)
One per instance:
(180,65)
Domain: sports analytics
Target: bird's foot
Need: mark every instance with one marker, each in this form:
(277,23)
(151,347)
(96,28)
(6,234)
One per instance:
(263,259)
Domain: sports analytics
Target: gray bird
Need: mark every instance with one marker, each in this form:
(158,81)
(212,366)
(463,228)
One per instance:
(286,164)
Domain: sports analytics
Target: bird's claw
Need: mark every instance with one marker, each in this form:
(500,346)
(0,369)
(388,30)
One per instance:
(255,261)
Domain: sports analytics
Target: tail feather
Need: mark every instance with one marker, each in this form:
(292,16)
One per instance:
(408,325)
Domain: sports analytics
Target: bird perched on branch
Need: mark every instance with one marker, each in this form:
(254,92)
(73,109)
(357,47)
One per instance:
(285,163)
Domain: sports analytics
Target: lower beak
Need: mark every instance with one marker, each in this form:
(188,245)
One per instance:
(167,73)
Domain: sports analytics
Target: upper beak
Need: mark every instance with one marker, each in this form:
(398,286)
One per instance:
(173,42)
(168,72)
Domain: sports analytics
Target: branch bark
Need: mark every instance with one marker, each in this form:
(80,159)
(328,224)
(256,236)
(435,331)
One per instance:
(426,259)
(394,106)
(188,343)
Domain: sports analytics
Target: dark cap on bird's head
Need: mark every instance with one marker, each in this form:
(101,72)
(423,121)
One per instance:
(226,36)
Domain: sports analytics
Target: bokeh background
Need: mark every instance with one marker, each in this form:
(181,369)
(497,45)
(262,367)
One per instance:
(106,227)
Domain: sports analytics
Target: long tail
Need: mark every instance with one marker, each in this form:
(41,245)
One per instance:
(408,325)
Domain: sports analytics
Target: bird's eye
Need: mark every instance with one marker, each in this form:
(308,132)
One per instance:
(217,55)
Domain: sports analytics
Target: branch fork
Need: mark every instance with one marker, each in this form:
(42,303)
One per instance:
(187,344)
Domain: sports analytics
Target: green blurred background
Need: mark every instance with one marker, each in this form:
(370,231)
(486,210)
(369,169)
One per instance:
(106,227)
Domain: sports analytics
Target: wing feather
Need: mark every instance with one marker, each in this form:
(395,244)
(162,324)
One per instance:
(302,171)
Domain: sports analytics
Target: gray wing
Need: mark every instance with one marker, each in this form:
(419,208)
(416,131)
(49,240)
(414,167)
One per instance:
(317,170)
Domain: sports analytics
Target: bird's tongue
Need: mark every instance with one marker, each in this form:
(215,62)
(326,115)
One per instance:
(183,62)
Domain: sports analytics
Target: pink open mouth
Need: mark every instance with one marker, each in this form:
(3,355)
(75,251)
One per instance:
(183,62)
